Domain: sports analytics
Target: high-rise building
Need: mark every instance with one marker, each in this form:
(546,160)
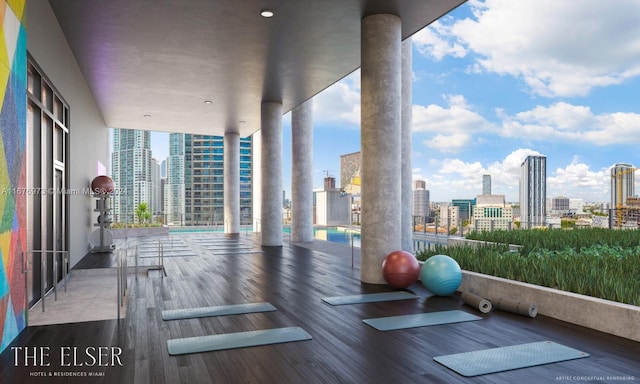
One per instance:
(465,207)
(622,184)
(156,203)
(195,182)
(449,216)
(533,191)
(420,210)
(492,213)
(350,170)
(174,184)
(131,172)
(329,205)
(560,205)
(486,184)
(163,169)
(576,206)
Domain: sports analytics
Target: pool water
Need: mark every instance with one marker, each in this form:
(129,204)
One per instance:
(337,235)
(333,234)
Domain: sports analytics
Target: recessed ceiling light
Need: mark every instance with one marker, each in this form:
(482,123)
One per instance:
(266,13)
(208,102)
(241,122)
(147,116)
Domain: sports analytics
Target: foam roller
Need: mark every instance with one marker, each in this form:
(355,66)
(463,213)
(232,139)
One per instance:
(517,307)
(481,304)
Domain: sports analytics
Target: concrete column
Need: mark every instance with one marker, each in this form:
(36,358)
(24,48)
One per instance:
(231,182)
(256,180)
(302,172)
(381,142)
(271,159)
(407,169)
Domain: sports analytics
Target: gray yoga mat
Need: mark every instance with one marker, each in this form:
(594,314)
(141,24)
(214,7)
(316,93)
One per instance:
(515,306)
(222,310)
(236,340)
(234,252)
(154,255)
(420,320)
(507,358)
(481,304)
(369,298)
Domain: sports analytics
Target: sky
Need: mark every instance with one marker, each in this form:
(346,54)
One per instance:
(495,81)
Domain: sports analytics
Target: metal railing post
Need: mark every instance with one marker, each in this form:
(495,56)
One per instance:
(65,266)
(124,274)
(162,261)
(54,272)
(42,277)
(136,261)
(25,271)
(119,279)
(118,284)
(352,251)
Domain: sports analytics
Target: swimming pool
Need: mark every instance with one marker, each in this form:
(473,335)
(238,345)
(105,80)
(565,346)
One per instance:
(337,235)
(333,234)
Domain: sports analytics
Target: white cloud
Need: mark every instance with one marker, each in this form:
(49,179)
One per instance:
(453,125)
(465,178)
(558,48)
(578,180)
(455,178)
(437,42)
(509,168)
(340,102)
(563,116)
(448,143)
(615,128)
(564,121)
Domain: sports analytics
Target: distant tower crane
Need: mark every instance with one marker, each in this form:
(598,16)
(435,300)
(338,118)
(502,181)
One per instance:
(618,176)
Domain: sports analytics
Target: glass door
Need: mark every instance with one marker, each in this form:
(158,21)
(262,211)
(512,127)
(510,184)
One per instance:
(47,182)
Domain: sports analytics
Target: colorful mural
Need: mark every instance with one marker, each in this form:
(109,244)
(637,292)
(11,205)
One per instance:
(13,126)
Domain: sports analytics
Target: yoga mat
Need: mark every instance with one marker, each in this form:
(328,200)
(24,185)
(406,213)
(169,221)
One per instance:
(481,304)
(369,298)
(235,340)
(233,252)
(517,307)
(508,358)
(419,320)
(165,254)
(222,310)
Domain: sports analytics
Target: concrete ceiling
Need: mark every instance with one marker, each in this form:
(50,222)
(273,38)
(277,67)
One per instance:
(165,58)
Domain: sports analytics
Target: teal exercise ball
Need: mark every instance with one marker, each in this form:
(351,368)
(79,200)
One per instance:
(441,275)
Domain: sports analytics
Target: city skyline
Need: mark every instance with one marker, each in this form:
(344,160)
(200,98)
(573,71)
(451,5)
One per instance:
(497,81)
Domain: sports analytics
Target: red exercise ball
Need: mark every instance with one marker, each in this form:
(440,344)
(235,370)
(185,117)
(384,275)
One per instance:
(400,269)
(103,185)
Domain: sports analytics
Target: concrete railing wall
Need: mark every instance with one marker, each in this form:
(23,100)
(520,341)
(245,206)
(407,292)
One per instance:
(603,315)
(453,241)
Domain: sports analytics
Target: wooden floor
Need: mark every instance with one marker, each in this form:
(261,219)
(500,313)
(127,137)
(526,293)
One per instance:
(343,349)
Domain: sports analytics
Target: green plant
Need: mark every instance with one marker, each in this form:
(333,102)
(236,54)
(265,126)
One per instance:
(595,262)
(142,213)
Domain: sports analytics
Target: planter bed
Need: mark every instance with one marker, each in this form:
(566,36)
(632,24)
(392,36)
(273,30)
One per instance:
(603,315)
